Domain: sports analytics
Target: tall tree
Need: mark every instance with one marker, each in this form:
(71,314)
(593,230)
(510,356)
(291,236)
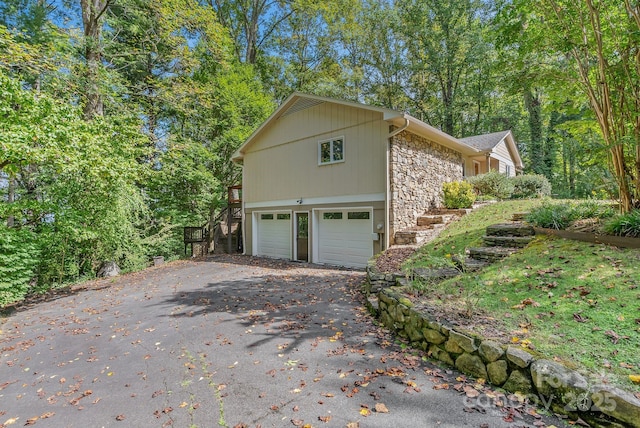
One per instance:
(252,23)
(444,43)
(151,45)
(93,15)
(602,39)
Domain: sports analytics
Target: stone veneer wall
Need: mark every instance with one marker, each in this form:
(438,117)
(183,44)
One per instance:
(542,381)
(418,167)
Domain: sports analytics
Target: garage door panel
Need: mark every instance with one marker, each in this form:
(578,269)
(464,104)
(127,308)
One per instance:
(274,235)
(344,241)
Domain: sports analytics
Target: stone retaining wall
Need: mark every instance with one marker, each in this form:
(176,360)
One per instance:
(543,381)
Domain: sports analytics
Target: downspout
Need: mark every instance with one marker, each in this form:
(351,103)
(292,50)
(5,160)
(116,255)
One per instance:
(243,219)
(387,199)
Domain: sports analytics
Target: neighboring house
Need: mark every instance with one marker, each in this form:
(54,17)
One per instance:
(330,181)
(498,152)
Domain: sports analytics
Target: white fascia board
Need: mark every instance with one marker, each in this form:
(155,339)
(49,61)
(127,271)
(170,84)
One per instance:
(511,143)
(373,197)
(419,127)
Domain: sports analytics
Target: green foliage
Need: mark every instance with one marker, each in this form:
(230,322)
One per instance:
(627,224)
(530,186)
(492,183)
(80,201)
(458,194)
(553,215)
(18,260)
(120,187)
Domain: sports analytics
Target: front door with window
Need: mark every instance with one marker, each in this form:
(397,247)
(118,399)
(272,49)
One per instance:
(302,237)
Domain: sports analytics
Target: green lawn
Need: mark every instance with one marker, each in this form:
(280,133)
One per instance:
(573,301)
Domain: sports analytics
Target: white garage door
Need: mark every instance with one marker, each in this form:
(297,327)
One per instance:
(345,237)
(274,235)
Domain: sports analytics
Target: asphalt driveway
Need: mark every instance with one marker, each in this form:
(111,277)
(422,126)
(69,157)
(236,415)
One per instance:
(231,341)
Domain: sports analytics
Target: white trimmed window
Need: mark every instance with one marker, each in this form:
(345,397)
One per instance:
(331,151)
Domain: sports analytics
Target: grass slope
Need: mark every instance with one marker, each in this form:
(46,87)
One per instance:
(576,302)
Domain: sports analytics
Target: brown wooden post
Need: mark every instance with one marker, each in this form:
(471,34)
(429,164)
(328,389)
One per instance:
(229,229)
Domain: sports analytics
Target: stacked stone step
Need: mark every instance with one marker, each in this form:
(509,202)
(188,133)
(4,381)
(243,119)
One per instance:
(427,227)
(430,220)
(519,216)
(469,264)
(412,236)
(502,240)
(490,254)
(435,275)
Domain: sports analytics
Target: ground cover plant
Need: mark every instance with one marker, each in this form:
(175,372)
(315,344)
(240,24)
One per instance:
(575,302)
(563,214)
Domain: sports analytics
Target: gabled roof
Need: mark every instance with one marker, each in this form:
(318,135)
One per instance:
(299,101)
(487,142)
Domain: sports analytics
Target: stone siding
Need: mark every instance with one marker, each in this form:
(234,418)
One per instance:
(417,169)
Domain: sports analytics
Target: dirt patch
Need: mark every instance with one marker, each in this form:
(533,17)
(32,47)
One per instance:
(587,225)
(480,323)
(392,259)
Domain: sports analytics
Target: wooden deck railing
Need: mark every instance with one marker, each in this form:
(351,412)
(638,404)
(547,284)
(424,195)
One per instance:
(232,213)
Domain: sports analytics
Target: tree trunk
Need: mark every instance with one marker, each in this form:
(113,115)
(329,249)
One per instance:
(534,108)
(92,12)
(11,198)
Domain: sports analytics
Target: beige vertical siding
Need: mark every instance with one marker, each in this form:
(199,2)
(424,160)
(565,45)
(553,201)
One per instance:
(283,161)
(502,150)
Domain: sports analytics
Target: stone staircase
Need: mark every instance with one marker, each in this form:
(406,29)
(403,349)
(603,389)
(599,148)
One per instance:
(428,226)
(501,240)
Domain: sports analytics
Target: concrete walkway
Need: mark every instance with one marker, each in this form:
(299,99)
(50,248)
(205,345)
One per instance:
(230,342)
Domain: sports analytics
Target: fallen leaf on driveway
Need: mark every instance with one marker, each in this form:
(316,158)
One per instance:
(324,419)
(381,408)
(470,391)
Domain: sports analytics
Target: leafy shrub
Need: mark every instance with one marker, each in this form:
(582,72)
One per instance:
(492,183)
(560,216)
(18,259)
(552,216)
(593,209)
(458,194)
(530,186)
(627,224)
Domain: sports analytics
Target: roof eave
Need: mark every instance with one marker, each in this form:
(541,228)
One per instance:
(514,147)
(419,127)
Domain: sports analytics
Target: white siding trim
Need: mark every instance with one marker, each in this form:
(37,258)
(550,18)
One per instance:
(373,197)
